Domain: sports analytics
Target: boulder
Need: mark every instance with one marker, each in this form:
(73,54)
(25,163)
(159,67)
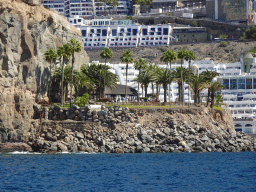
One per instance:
(79,135)
(62,147)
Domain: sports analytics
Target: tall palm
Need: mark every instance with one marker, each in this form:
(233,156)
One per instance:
(127,58)
(140,64)
(63,52)
(179,76)
(75,46)
(169,56)
(181,55)
(106,53)
(63,78)
(209,76)
(214,87)
(162,77)
(50,57)
(189,57)
(197,84)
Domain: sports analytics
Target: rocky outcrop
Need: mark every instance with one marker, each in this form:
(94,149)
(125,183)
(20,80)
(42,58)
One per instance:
(145,130)
(26,33)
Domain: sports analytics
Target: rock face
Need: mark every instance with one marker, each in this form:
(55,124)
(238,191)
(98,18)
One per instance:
(26,33)
(145,130)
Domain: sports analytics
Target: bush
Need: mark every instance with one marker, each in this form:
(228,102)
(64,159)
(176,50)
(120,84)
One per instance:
(104,100)
(223,43)
(81,101)
(194,23)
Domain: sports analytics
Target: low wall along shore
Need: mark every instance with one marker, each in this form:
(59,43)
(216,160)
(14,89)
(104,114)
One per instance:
(123,130)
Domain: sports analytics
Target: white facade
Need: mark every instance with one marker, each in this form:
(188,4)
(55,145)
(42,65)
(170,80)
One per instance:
(88,8)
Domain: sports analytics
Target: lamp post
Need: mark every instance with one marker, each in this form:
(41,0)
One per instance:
(175,7)
(200,4)
(193,5)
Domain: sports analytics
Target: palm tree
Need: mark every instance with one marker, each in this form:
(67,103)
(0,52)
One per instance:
(181,55)
(162,77)
(63,52)
(197,84)
(140,65)
(169,56)
(209,76)
(50,57)
(179,76)
(106,53)
(214,87)
(188,57)
(63,78)
(96,74)
(127,58)
(146,76)
(75,46)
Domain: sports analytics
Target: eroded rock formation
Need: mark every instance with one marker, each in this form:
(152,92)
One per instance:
(26,33)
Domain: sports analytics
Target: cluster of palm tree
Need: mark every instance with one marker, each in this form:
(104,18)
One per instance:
(64,53)
(89,78)
(95,77)
(154,74)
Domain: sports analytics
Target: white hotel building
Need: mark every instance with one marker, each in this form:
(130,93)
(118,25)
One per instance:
(239,79)
(100,33)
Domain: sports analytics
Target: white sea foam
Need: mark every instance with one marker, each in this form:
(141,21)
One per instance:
(19,152)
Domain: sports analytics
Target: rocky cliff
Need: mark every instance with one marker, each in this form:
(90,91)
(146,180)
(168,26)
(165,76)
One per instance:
(27,31)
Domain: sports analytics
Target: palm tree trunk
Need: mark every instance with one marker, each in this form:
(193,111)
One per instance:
(104,78)
(212,100)
(188,81)
(164,93)
(62,83)
(170,84)
(49,83)
(152,88)
(73,61)
(195,97)
(157,92)
(208,97)
(198,96)
(182,94)
(146,90)
(126,82)
(179,85)
(138,88)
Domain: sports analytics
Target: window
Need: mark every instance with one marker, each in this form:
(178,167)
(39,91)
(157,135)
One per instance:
(83,33)
(134,31)
(226,83)
(114,32)
(144,31)
(104,32)
(233,83)
(241,83)
(248,83)
(165,31)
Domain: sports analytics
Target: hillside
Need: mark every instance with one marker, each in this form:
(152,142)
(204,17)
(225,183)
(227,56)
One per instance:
(209,50)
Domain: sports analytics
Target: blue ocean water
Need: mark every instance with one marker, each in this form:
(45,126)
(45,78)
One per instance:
(128,172)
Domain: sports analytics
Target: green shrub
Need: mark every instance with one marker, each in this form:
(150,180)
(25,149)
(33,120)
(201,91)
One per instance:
(223,43)
(81,101)
(194,23)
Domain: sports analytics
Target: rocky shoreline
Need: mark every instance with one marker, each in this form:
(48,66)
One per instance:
(123,130)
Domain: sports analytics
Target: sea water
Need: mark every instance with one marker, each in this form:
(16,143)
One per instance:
(128,172)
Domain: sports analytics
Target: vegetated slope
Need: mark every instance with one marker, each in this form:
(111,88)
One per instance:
(209,50)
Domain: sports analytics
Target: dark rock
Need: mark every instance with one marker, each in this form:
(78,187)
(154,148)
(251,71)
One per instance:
(50,137)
